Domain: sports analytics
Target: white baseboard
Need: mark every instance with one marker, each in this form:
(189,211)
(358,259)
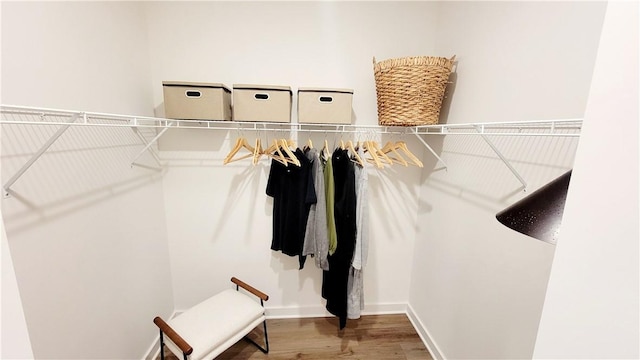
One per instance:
(422,331)
(384,309)
(288,312)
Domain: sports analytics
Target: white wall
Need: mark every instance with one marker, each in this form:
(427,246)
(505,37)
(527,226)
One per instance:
(591,306)
(219,218)
(85,230)
(14,336)
(88,56)
(477,287)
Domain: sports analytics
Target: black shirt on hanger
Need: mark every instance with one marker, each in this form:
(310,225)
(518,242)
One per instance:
(293,193)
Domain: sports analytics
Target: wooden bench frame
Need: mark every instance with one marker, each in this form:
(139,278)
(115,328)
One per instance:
(184,345)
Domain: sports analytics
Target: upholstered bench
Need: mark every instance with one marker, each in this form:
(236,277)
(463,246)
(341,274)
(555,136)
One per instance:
(212,326)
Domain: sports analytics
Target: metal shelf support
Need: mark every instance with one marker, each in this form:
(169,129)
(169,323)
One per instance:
(480,130)
(150,143)
(415,132)
(7,186)
(145,142)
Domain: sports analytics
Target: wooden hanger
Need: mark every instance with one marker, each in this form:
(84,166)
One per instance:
(258,151)
(241,143)
(381,154)
(391,147)
(369,149)
(357,158)
(290,157)
(234,150)
(412,158)
(309,145)
(326,154)
(274,152)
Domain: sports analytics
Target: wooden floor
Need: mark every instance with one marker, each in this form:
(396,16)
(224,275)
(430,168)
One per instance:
(370,337)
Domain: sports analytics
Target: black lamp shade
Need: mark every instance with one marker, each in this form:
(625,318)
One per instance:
(539,215)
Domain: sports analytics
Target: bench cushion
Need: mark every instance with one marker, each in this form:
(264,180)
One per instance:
(215,324)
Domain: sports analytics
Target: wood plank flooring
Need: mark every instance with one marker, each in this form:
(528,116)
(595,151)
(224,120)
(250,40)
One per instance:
(370,337)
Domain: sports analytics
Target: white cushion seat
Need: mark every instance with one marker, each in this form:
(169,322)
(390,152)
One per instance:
(215,324)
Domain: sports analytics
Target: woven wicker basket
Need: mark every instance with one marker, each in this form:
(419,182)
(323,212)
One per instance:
(410,90)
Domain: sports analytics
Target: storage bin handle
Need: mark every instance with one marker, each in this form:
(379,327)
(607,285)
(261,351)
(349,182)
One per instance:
(261,96)
(193,94)
(325,99)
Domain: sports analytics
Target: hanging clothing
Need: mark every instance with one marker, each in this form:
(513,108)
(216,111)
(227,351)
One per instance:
(293,193)
(355,297)
(355,294)
(362,215)
(316,238)
(330,198)
(335,280)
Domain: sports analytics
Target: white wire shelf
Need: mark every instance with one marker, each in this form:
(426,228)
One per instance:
(556,127)
(42,116)
(23,115)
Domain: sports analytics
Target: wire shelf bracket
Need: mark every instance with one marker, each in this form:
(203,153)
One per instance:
(148,144)
(144,141)
(480,131)
(415,132)
(7,186)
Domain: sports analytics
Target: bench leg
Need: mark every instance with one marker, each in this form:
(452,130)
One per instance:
(161,346)
(266,340)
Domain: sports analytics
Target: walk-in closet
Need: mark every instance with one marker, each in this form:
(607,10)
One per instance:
(113,213)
